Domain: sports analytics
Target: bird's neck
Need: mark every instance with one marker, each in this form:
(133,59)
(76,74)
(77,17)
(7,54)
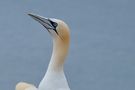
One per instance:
(54,78)
(60,50)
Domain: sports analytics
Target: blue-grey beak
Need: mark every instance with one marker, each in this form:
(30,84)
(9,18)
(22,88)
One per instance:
(46,22)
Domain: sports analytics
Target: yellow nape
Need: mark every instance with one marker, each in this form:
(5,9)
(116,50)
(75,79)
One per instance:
(24,86)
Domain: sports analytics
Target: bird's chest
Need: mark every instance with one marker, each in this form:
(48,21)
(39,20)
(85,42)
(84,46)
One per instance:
(54,81)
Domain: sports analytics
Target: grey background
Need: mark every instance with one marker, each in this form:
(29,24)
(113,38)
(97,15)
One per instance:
(102,52)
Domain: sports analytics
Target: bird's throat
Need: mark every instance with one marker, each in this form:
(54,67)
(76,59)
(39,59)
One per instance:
(60,50)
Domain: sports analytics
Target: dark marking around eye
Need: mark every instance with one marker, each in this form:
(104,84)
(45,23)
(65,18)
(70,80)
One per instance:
(54,24)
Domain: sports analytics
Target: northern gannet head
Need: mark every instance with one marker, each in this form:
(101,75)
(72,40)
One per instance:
(57,28)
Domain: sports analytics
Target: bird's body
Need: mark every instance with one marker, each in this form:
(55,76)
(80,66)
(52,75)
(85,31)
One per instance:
(25,86)
(54,78)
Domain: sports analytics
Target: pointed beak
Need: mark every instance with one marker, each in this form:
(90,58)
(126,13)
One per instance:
(46,22)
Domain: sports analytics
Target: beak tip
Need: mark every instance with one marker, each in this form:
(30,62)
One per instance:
(29,14)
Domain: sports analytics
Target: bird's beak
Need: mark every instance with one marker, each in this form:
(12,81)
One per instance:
(46,22)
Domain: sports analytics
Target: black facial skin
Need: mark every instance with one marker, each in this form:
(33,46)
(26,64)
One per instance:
(54,24)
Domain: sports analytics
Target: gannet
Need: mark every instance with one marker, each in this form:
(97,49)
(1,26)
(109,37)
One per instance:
(54,78)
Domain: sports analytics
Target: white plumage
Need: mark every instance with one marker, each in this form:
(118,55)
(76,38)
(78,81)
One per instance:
(54,78)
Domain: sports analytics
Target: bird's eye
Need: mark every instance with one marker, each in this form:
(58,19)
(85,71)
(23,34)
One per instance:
(54,24)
